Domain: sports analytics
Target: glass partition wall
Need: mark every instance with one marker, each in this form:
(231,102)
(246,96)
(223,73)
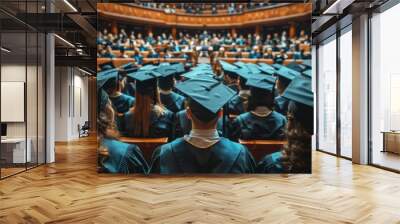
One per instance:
(22,90)
(334,94)
(385,89)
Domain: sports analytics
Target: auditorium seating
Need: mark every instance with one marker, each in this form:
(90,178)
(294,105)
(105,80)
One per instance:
(261,148)
(146,145)
(118,62)
(267,16)
(258,148)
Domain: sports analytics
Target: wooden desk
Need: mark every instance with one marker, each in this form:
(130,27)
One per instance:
(391,141)
(13,150)
(146,145)
(151,60)
(261,148)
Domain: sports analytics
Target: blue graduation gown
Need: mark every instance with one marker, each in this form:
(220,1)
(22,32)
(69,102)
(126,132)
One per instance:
(129,89)
(271,164)
(173,101)
(122,103)
(281,105)
(161,126)
(122,158)
(236,105)
(183,124)
(224,156)
(250,126)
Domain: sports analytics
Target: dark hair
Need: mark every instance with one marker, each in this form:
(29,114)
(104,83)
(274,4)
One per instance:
(111,85)
(242,83)
(200,112)
(283,83)
(297,153)
(166,83)
(260,97)
(231,75)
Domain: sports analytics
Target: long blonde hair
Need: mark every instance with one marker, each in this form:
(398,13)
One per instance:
(106,128)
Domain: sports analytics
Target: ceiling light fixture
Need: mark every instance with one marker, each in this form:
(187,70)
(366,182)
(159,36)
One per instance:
(86,72)
(70,5)
(64,40)
(5,50)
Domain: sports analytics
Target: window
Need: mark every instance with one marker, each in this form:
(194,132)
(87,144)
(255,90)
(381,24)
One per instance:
(385,88)
(327,96)
(346,92)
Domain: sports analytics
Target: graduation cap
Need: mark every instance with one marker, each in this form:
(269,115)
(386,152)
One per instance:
(106,77)
(106,66)
(253,68)
(149,67)
(127,66)
(203,65)
(198,74)
(211,94)
(287,73)
(299,90)
(277,66)
(146,81)
(308,73)
(297,67)
(179,67)
(240,64)
(127,69)
(266,68)
(244,73)
(264,82)
(307,63)
(166,70)
(229,69)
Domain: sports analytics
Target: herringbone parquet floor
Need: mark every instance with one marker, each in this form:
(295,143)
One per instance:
(70,191)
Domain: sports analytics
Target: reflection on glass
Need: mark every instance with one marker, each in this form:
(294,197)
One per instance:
(327,97)
(346,94)
(14,150)
(385,82)
(31,101)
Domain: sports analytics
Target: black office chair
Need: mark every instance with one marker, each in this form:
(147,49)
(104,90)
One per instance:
(84,130)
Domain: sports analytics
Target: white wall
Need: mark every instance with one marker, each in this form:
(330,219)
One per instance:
(71,102)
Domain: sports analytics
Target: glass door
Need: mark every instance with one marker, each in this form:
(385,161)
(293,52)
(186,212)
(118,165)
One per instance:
(327,96)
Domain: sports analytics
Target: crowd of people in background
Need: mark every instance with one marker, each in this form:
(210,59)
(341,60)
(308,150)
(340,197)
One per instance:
(185,105)
(202,8)
(270,46)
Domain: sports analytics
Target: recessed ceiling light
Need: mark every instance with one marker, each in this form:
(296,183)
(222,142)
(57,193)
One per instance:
(65,41)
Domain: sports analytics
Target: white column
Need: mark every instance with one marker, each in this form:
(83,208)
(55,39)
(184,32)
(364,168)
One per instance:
(50,98)
(360,90)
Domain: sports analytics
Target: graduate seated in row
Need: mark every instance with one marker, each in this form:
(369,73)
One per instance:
(203,150)
(115,156)
(261,122)
(296,155)
(128,84)
(239,103)
(183,123)
(284,77)
(113,86)
(170,99)
(230,76)
(148,118)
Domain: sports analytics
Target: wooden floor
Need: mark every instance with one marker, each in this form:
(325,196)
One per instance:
(70,191)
